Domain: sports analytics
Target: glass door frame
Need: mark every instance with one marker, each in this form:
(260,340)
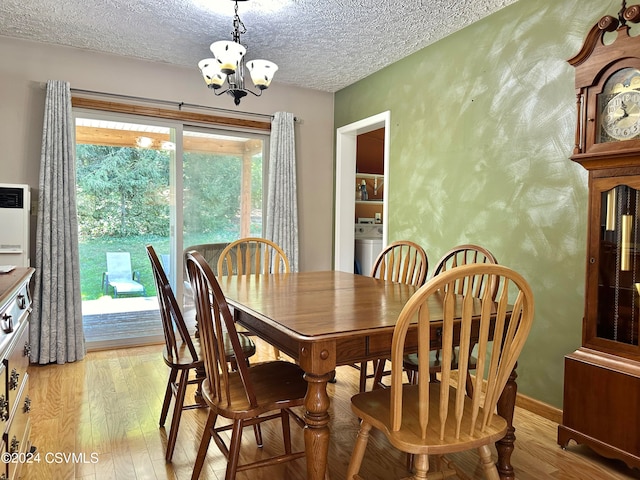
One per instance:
(175,201)
(176,184)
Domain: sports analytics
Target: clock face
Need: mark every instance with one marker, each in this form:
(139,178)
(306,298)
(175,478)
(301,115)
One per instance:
(619,107)
(621,116)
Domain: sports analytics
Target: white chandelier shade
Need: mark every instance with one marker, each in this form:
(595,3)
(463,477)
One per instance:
(228,54)
(227,65)
(262,72)
(210,69)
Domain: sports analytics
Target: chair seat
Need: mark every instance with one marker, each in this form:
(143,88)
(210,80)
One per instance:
(183,359)
(277,384)
(246,344)
(374,408)
(123,286)
(410,362)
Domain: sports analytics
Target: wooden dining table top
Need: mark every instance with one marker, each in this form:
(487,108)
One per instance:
(312,305)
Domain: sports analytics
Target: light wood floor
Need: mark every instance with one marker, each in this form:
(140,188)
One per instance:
(109,404)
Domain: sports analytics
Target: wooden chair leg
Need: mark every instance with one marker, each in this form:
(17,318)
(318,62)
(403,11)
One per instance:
(488,465)
(358,450)
(286,431)
(200,376)
(379,373)
(204,445)
(363,376)
(234,450)
(422,466)
(469,386)
(183,381)
(410,461)
(167,396)
(257,431)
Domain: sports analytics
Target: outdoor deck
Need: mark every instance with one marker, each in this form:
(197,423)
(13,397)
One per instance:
(115,322)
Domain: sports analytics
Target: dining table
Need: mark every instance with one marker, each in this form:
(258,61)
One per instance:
(324,319)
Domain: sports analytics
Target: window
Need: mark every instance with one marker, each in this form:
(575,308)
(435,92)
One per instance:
(223,186)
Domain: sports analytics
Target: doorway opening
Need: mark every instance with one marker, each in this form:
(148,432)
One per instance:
(374,129)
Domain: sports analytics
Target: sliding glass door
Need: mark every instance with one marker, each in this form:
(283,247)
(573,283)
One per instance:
(223,191)
(173,186)
(223,186)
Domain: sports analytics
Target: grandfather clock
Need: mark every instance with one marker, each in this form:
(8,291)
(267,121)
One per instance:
(602,378)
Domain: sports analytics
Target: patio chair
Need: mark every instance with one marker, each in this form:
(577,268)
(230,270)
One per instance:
(120,277)
(211,253)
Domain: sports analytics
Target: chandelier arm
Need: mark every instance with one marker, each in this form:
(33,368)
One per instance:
(254,93)
(218,91)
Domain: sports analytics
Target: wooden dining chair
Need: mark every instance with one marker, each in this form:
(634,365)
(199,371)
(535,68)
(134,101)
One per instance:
(439,418)
(247,396)
(457,256)
(253,256)
(460,255)
(182,354)
(400,262)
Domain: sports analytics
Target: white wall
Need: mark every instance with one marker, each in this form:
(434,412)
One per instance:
(26,66)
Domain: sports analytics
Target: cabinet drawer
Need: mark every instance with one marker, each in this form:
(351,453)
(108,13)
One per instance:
(17,363)
(4,467)
(17,439)
(4,399)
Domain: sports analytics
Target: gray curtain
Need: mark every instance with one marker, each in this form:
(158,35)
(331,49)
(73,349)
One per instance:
(56,333)
(282,204)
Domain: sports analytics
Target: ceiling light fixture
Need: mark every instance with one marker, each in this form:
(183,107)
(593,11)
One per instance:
(228,64)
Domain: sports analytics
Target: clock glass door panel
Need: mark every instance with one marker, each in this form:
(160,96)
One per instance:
(618,295)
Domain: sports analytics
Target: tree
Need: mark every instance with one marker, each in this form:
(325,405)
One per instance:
(122,191)
(212,193)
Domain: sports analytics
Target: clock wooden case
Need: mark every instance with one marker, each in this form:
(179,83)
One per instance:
(602,378)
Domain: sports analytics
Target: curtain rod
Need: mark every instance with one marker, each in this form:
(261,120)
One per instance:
(179,105)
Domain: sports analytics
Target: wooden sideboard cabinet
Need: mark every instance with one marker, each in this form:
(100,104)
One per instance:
(15,404)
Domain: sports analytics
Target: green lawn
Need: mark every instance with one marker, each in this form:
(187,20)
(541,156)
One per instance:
(93,259)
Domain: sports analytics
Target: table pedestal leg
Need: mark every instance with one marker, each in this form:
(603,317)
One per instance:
(316,432)
(505,446)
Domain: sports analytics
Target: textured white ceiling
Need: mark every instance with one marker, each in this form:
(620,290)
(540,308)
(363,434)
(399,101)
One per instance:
(320,44)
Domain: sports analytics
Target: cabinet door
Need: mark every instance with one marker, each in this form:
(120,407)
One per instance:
(613,267)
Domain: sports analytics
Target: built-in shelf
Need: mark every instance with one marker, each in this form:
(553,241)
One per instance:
(374,187)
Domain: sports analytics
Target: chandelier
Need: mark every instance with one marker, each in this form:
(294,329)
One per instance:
(228,64)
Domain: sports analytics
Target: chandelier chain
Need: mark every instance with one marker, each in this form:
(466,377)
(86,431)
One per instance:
(238,26)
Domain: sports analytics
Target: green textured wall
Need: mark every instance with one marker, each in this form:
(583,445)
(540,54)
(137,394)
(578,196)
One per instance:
(482,127)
